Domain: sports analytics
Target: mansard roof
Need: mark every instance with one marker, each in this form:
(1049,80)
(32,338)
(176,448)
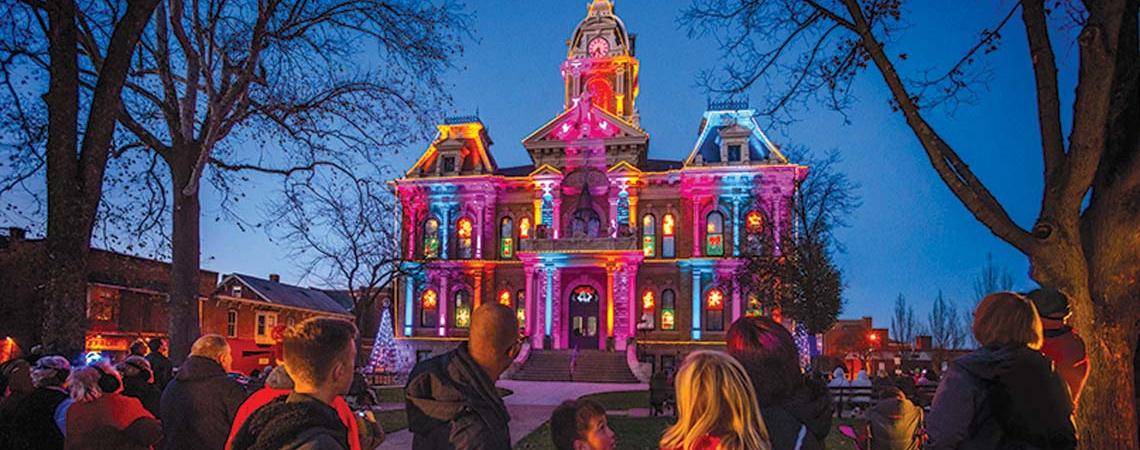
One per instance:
(732,118)
(464,137)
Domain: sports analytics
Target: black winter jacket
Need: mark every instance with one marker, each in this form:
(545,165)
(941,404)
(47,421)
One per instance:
(453,404)
(199,406)
(163,370)
(33,421)
(809,409)
(296,422)
(1001,398)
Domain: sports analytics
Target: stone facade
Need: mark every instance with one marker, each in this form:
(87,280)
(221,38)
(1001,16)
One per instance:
(595,243)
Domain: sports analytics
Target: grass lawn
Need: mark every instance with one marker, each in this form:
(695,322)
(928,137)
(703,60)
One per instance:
(633,433)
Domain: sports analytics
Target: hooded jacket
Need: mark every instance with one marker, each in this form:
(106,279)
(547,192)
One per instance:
(1001,398)
(895,424)
(295,422)
(199,405)
(809,407)
(453,404)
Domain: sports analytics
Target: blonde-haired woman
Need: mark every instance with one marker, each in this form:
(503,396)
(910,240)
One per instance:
(716,407)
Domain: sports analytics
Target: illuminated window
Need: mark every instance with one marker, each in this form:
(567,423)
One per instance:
(754,229)
(584,294)
(101,307)
(668,310)
(714,310)
(231,323)
(462,312)
(524,228)
(505,297)
(506,242)
(714,234)
(520,308)
(463,231)
(649,236)
(431,238)
(263,331)
(548,211)
(623,208)
(668,249)
(429,304)
(648,308)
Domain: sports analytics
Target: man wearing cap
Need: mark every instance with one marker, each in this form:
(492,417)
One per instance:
(1062,343)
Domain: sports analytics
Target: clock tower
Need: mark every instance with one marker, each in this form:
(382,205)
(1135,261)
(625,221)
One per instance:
(600,63)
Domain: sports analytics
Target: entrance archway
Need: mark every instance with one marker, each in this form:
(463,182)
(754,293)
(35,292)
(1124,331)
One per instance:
(584,322)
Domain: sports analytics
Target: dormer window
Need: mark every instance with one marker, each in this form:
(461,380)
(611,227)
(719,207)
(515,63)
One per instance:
(448,164)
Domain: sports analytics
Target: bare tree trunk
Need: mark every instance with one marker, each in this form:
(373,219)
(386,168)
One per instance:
(186,258)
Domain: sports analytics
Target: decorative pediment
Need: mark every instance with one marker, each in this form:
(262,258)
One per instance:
(623,168)
(584,121)
(546,170)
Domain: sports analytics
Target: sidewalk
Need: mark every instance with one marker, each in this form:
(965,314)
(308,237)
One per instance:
(530,405)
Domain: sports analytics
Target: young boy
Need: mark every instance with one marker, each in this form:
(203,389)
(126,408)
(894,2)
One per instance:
(581,425)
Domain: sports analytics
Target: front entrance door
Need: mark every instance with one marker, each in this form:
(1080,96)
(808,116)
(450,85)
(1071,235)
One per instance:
(584,318)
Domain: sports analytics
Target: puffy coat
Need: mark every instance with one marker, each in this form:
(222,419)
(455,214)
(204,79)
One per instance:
(199,405)
(1001,398)
(810,406)
(453,404)
(295,422)
(111,421)
(895,425)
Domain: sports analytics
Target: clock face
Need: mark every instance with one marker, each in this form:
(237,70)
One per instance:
(599,47)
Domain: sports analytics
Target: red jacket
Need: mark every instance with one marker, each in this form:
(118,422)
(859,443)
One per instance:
(1067,350)
(111,421)
(265,395)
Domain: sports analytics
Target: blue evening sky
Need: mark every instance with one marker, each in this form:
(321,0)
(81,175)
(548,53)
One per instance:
(911,235)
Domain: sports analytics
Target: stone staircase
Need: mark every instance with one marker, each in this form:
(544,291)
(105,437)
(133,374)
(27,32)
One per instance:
(593,366)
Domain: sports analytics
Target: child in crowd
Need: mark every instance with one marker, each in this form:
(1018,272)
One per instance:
(716,407)
(581,425)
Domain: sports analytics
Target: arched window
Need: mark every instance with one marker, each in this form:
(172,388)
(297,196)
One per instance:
(668,310)
(506,242)
(754,307)
(524,228)
(463,232)
(754,232)
(505,298)
(714,234)
(668,228)
(648,308)
(431,238)
(649,236)
(714,310)
(462,310)
(520,308)
(429,307)
(548,211)
(623,208)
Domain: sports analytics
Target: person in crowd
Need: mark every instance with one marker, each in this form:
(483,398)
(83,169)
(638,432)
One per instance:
(362,433)
(100,418)
(796,408)
(138,348)
(1004,394)
(581,425)
(894,423)
(452,402)
(660,392)
(319,356)
(138,382)
(160,365)
(716,407)
(34,419)
(199,405)
(17,377)
(1062,343)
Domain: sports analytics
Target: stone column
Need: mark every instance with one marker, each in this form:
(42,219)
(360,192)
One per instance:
(607,307)
(531,306)
(478,300)
(633,220)
(558,320)
(548,299)
(445,232)
(736,226)
(409,302)
(613,222)
(736,306)
(444,300)
(697,226)
(696,313)
(480,214)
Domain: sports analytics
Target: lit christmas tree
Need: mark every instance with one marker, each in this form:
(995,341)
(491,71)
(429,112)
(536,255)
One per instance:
(384,356)
(804,345)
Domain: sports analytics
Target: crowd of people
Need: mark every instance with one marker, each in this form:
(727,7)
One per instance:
(142,402)
(1019,389)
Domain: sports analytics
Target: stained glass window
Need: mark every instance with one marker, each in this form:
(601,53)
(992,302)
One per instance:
(755,308)
(584,294)
(548,211)
(506,242)
(714,310)
(714,234)
(623,208)
(431,238)
(524,228)
(462,310)
(648,306)
(505,297)
(429,304)
(649,236)
(463,231)
(754,229)
(668,308)
(520,308)
(668,249)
